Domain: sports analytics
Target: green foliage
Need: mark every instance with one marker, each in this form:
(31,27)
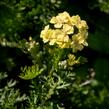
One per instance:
(104,5)
(30,72)
(9,97)
(54,80)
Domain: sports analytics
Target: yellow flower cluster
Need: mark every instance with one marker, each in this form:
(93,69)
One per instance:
(72,60)
(68,32)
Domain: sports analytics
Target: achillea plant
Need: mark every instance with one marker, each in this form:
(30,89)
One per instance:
(55,77)
(58,78)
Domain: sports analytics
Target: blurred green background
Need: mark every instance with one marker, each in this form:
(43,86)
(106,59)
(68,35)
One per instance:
(20,19)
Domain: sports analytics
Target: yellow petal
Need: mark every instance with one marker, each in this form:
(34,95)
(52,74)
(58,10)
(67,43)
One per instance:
(58,25)
(53,20)
(68,29)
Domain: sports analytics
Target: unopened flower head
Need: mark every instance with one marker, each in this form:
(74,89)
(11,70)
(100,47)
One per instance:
(72,60)
(31,44)
(67,32)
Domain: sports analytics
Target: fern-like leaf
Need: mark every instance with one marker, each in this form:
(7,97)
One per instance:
(30,72)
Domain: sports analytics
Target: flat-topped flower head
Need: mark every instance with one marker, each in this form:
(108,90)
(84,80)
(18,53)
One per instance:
(67,32)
